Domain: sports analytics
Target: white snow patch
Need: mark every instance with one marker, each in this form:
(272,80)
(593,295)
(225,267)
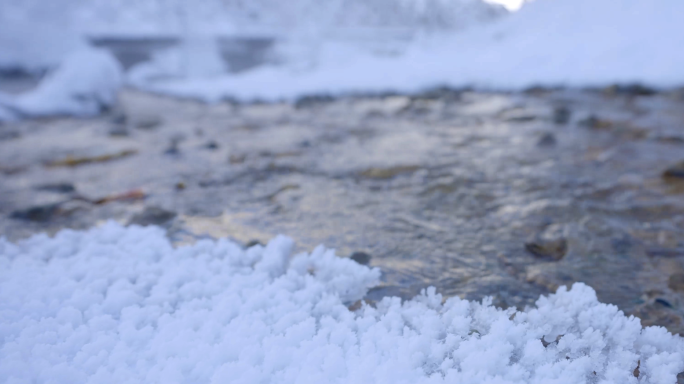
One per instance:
(121,305)
(548,42)
(85,82)
(197,57)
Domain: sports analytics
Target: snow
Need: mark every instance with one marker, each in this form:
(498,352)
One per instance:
(34,47)
(121,305)
(85,83)
(575,43)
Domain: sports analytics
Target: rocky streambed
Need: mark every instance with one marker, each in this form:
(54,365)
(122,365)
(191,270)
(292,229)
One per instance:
(502,194)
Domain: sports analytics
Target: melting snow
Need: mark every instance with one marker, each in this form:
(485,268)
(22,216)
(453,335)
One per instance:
(121,305)
(548,42)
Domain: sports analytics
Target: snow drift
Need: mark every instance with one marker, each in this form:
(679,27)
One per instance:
(85,83)
(121,305)
(548,42)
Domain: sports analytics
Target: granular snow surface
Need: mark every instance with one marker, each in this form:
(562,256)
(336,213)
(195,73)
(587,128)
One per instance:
(121,305)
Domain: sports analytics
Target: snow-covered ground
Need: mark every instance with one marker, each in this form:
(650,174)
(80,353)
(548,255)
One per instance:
(84,84)
(121,305)
(548,42)
(77,79)
(573,43)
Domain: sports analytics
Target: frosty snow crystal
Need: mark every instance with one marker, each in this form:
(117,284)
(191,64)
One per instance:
(121,305)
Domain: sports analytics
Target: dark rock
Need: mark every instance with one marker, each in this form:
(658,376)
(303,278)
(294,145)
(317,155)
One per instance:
(596,123)
(119,118)
(312,100)
(675,171)
(252,243)
(173,149)
(636,371)
(676,282)
(561,115)
(11,170)
(663,302)
(152,216)
(622,245)
(630,90)
(40,213)
(553,249)
(57,188)
(521,119)
(211,145)
(548,139)
(361,257)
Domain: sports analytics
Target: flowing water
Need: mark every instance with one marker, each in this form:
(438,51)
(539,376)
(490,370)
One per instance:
(502,194)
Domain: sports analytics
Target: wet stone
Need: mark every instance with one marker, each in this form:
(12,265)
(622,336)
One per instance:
(361,257)
(211,145)
(57,188)
(676,282)
(252,243)
(40,213)
(553,249)
(561,115)
(152,216)
(675,172)
(594,122)
(388,173)
(630,90)
(547,140)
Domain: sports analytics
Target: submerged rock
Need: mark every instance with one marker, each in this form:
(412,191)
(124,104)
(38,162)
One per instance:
(675,171)
(553,249)
(152,216)
(361,257)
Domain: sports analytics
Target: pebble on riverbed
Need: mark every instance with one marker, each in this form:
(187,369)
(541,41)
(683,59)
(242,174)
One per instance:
(548,139)
(553,249)
(39,213)
(361,257)
(676,282)
(57,187)
(152,216)
(675,171)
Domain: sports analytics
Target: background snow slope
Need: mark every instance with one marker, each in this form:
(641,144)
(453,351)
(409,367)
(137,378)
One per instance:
(120,305)
(548,42)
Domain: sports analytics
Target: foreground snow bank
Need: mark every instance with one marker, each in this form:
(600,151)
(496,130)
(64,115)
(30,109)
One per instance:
(121,305)
(575,43)
(85,82)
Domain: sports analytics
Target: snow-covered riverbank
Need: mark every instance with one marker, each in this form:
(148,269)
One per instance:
(120,305)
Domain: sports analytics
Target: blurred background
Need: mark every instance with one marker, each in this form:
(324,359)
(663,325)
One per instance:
(499,148)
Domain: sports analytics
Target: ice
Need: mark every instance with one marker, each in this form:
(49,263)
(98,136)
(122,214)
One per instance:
(576,43)
(121,305)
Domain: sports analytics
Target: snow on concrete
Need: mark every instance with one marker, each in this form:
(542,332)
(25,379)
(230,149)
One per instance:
(85,82)
(548,42)
(121,305)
